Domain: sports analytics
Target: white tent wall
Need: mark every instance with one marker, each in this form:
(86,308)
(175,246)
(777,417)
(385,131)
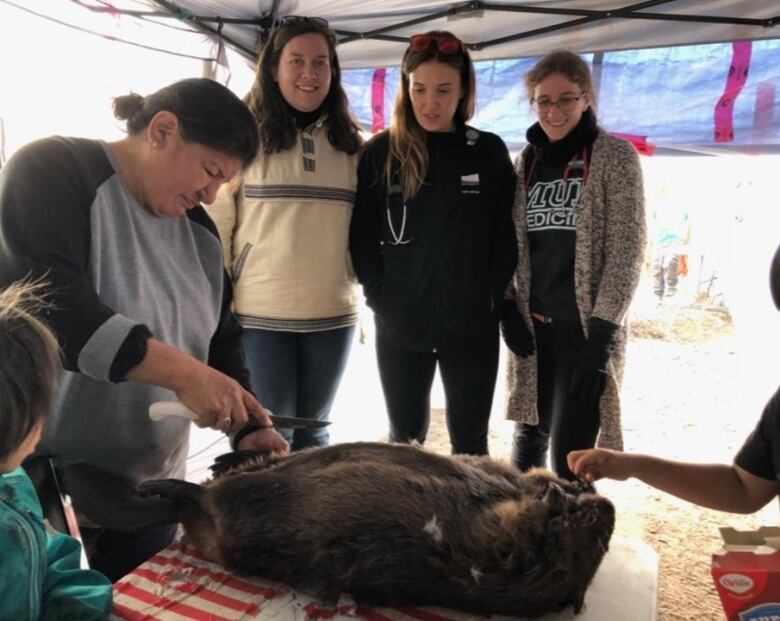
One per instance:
(57,79)
(733,200)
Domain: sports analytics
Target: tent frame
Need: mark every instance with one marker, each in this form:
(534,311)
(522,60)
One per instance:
(212,24)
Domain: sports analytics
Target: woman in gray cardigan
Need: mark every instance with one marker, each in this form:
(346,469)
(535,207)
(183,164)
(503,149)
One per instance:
(580,222)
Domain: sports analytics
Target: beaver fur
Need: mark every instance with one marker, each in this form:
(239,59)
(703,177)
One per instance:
(390,525)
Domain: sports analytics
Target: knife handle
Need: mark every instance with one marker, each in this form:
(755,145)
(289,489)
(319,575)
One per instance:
(164,409)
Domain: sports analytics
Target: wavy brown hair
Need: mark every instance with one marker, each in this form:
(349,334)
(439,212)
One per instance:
(408,155)
(275,122)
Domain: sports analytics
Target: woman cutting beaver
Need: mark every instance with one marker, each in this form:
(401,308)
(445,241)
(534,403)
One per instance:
(139,300)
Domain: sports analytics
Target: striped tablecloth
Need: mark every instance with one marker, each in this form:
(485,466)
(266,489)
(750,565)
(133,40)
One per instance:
(178,584)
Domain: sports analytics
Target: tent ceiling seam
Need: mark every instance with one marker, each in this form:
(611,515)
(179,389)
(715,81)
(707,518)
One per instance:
(265,23)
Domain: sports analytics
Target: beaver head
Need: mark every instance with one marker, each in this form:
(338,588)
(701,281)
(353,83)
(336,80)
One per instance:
(553,543)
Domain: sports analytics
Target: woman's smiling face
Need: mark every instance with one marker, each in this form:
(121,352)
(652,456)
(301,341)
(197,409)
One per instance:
(559,90)
(304,73)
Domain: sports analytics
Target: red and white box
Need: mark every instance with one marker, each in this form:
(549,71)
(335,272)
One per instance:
(747,574)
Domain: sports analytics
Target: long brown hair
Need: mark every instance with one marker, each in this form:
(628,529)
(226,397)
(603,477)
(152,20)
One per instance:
(274,119)
(408,155)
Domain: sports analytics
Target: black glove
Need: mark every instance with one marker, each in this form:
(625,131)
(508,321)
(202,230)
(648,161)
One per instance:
(227,461)
(589,376)
(517,336)
(242,433)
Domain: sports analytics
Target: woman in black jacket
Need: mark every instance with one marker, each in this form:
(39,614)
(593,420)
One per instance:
(433,245)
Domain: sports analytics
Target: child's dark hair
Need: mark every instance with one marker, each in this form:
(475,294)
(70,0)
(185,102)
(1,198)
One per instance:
(208,114)
(29,364)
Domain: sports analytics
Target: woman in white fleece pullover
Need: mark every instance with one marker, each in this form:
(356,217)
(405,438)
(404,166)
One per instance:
(284,228)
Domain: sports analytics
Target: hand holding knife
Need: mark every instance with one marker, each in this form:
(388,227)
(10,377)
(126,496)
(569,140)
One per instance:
(163,409)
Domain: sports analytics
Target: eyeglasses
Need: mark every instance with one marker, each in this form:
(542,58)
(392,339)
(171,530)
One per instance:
(446,44)
(297,19)
(566,103)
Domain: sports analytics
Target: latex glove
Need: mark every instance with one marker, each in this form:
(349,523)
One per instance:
(589,376)
(517,336)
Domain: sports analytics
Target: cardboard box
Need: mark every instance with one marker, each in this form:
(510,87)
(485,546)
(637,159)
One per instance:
(747,574)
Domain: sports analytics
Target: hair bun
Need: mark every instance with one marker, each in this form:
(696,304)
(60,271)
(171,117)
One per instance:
(126,106)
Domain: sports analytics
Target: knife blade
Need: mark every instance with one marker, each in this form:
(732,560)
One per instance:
(163,409)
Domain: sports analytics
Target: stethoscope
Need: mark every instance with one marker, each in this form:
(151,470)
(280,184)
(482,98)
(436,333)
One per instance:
(397,237)
(471,135)
(578,162)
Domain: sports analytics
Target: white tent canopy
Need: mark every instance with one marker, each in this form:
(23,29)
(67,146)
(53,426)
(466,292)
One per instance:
(663,69)
(373,33)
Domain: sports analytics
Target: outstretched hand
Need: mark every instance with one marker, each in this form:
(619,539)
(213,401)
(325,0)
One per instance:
(595,464)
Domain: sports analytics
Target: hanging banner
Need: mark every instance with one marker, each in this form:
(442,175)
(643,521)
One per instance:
(378,100)
(738,73)
(763,115)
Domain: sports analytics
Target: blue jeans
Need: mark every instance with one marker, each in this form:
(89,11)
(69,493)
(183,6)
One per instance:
(297,374)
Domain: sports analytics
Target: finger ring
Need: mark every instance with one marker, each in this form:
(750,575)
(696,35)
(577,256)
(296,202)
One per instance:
(225,422)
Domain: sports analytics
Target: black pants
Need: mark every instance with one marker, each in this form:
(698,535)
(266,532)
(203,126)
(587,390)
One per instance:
(560,419)
(116,553)
(469,378)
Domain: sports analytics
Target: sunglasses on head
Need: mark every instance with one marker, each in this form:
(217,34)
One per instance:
(297,19)
(447,44)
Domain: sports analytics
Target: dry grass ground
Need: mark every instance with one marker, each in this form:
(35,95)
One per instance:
(683,398)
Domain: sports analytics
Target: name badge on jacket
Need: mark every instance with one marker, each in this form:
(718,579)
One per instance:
(469,184)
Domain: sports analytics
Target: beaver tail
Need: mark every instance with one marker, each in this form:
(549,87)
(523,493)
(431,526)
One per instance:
(112,501)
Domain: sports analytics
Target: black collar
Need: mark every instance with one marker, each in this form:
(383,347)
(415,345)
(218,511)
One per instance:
(304,119)
(581,137)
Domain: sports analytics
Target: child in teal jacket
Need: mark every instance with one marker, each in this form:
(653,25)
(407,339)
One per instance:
(40,576)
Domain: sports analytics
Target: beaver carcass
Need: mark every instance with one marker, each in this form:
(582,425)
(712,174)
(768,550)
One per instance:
(388,524)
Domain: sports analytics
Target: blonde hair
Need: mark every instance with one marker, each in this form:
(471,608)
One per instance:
(407,158)
(29,364)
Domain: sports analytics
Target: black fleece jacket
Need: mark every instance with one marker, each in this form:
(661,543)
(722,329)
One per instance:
(435,278)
